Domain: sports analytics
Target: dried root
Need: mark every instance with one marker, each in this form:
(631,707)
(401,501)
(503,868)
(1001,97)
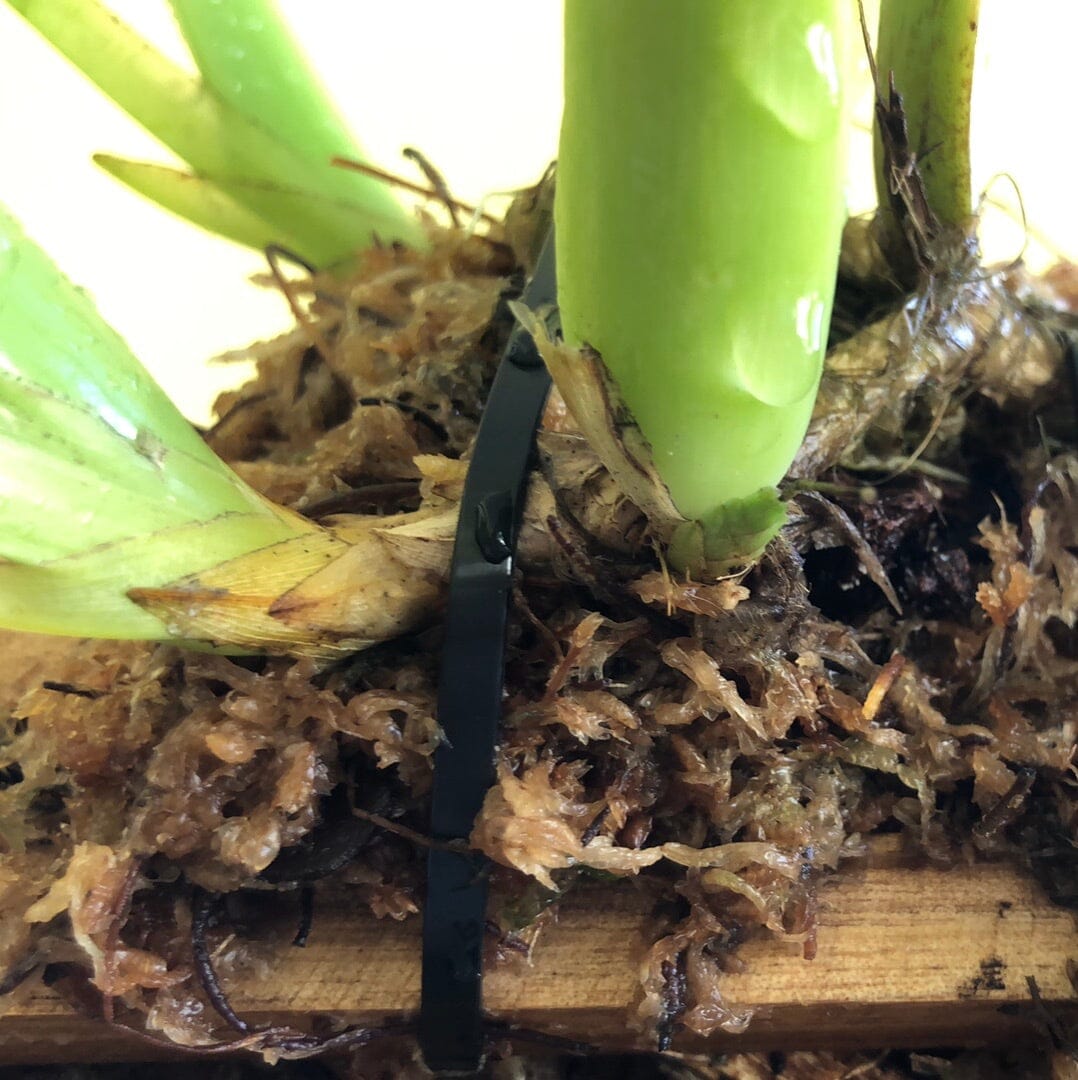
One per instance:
(953,339)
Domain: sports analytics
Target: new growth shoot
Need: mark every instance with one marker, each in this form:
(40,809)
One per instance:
(699,207)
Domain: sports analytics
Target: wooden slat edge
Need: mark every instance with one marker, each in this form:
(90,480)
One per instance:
(906,957)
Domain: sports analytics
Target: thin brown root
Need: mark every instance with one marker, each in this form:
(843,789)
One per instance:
(303,320)
(74,985)
(71,688)
(1056,1031)
(520,603)
(120,911)
(411,835)
(240,407)
(409,185)
(286,1040)
(1022,219)
(436,180)
(203,905)
(288,255)
(367,499)
(414,411)
(282,252)
(306,917)
(923,445)
(1005,812)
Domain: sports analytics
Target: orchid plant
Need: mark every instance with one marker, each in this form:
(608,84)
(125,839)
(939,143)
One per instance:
(699,211)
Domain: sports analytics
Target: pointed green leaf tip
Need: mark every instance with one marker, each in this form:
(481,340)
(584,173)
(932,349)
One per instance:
(99,473)
(699,208)
(196,199)
(216,203)
(249,58)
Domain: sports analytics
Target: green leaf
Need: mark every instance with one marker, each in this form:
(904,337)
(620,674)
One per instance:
(284,202)
(85,594)
(250,60)
(215,138)
(102,481)
(216,203)
(196,199)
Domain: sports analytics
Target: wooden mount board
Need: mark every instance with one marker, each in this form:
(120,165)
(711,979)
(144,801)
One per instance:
(906,957)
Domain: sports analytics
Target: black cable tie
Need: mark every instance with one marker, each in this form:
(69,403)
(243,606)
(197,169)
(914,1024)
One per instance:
(451,1023)
(1070,361)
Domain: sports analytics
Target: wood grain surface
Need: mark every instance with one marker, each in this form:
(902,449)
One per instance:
(907,956)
